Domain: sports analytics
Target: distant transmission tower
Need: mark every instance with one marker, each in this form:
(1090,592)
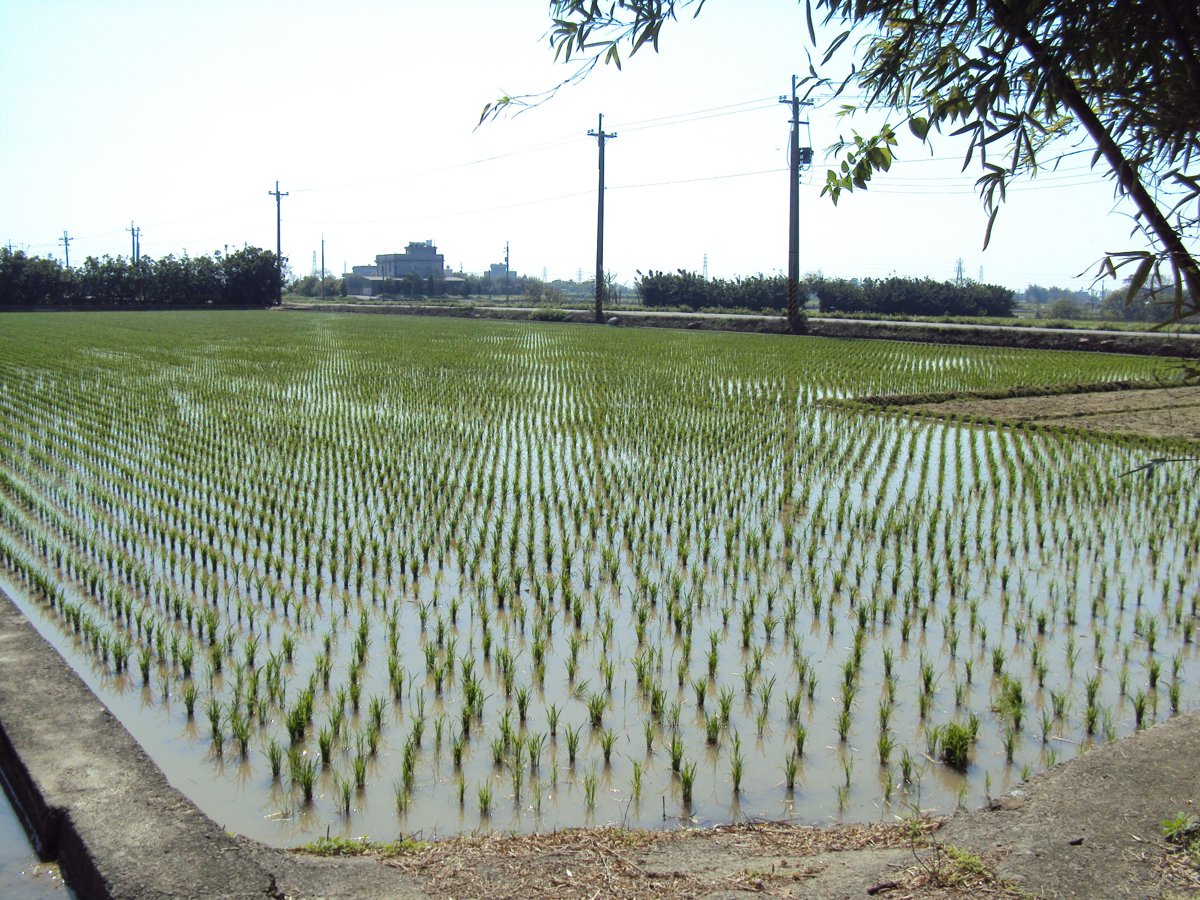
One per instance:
(706,265)
(958,271)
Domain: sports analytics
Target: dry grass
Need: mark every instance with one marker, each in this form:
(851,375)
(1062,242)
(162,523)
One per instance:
(612,862)
(1179,872)
(946,871)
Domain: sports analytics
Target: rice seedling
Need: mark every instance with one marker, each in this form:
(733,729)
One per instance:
(1139,708)
(275,754)
(189,699)
(687,777)
(572,744)
(725,703)
(589,789)
(908,768)
(1010,743)
(635,790)
(736,765)
(304,774)
(676,753)
(343,791)
(955,741)
(790,765)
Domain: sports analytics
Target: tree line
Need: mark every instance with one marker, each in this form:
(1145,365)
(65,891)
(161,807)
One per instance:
(910,296)
(249,277)
(880,296)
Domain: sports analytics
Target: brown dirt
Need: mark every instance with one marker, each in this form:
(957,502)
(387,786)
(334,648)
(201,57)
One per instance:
(753,858)
(1159,413)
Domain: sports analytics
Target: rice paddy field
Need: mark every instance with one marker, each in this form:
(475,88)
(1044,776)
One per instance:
(370,575)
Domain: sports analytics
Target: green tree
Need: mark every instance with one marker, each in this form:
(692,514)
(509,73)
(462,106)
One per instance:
(1065,308)
(1016,76)
(27,281)
(249,277)
(108,282)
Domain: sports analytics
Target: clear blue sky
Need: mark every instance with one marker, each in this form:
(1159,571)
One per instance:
(180,117)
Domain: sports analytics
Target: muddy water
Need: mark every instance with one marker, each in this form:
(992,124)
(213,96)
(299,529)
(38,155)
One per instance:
(927,551)
(22,875)
(835,779)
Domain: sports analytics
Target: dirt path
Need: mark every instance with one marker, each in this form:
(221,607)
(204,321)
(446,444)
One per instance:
(1161,413)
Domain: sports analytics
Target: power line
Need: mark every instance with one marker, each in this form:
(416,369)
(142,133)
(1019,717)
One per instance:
(637,125)
(626,187)
(716,112)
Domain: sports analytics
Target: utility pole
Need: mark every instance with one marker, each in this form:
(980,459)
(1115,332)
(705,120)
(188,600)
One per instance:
(506,271)
(135,237)
(797,157)
(600,137)
(322,267)
(278,234)
(65,240)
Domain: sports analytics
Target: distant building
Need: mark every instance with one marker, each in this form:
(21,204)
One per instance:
(498,273)
(419,258)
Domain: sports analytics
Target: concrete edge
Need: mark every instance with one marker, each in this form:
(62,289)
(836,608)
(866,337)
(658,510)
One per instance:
(42,823)
(91,798)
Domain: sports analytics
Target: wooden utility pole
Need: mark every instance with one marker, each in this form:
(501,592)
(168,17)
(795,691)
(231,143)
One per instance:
(797,157)
(65,240)
(600,137)
(278,234)
(135,237)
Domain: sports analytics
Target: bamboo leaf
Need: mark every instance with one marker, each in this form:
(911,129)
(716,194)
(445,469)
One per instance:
(1139,278)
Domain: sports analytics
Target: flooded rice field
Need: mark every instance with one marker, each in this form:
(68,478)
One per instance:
(364,576)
